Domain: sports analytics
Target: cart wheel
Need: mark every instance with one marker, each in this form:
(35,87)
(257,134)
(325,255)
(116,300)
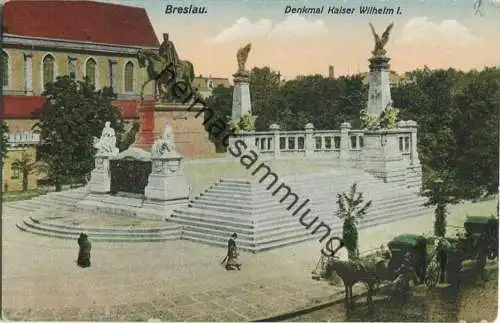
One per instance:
(432,275)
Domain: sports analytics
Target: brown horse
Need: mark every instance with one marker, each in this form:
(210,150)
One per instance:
(352,272)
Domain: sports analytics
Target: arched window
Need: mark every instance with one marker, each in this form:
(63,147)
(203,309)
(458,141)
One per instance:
(129,77)
(48,69)
(210,84)
(90,71)
(5,69)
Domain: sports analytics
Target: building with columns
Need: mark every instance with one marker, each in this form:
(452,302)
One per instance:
(46,39)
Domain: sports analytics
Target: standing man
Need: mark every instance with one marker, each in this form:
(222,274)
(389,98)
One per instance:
(232,254)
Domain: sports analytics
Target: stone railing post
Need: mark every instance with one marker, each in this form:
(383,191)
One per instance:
(412,127)
(309,140)
(275,128)
(344,140)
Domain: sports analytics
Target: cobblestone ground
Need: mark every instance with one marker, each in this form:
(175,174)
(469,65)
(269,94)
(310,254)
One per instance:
(170,281)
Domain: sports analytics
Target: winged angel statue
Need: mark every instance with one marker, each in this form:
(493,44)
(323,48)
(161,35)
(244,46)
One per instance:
(242,56)
(478,5)
(380,42)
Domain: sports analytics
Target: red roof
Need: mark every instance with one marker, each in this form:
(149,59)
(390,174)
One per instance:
(16,106)
(91,21)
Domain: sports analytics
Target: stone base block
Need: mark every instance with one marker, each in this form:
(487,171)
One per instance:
(166,188)
(387,170)
(100,181)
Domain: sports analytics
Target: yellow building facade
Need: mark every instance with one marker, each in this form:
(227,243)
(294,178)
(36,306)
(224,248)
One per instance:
(33,56)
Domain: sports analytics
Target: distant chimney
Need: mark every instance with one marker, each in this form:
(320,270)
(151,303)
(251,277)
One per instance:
(331,72)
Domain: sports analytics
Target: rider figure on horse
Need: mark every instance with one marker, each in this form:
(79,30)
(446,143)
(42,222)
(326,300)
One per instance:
(167,51)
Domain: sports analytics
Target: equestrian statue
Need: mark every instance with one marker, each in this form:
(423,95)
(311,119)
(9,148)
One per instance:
(165,69)
(380,42)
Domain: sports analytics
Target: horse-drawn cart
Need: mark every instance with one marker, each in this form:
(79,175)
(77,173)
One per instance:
(478,240)
(416,246)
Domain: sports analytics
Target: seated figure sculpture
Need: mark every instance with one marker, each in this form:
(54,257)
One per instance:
(165,144)
(107,142)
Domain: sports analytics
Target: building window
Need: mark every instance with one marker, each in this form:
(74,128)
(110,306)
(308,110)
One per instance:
(5,69)
(129,77)
(210,84)
(14,172)
(72,68)
(90,71)
(48,69)
(112,75)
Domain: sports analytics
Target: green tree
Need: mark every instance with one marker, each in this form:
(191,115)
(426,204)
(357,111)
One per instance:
(220,102)
(67,126)
(351,208)
(25,166)
(457,135)
(264,86)
(4,141)
(440,194)
(477,135)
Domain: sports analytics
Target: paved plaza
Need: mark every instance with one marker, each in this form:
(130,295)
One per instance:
(173,280)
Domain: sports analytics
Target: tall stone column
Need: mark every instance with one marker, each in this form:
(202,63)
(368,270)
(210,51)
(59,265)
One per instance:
(379,93)
(146,111)
(344,140)
(309,140)
(275,128)
(242,104)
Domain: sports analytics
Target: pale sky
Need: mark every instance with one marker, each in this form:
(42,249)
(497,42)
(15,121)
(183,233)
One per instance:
(436,33)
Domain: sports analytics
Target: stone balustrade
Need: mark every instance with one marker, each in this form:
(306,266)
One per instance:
(23,138)
(344,144)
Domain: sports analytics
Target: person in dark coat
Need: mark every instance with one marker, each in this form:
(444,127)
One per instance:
(84,251)
(232,254)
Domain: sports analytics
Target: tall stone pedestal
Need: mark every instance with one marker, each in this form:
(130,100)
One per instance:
(242,105)
(100,177)
(167,185)
(379,93)
(146,136)
(381,156)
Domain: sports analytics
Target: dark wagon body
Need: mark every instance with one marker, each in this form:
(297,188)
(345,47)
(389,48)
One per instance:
(416,245)
(478,242)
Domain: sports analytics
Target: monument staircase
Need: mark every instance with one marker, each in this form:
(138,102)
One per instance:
(263,223)
(54,215)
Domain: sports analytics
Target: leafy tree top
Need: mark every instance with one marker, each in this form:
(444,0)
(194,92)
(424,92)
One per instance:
(4,140)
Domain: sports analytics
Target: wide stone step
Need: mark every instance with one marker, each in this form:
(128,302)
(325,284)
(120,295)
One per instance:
(105,230)
(187,213)
(21,227)
(246,245)
(252,233)
(228,195)
(283,240)
(377,206)
(28,224)
(209,215)
(225,205)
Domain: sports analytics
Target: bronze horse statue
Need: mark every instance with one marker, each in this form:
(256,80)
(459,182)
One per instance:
(163,73)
